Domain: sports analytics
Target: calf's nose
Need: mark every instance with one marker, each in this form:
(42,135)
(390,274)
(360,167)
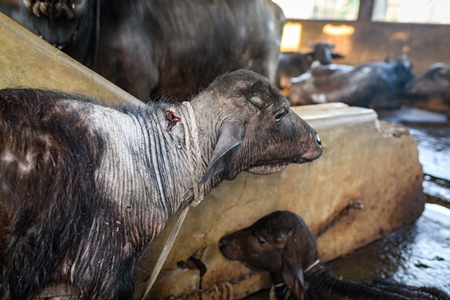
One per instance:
(222,244)
(314,147)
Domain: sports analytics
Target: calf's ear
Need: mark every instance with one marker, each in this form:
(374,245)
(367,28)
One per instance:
(231,135)
(293,276)
(292,272)
(337,55)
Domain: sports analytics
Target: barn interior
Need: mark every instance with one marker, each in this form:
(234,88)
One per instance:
(379,197)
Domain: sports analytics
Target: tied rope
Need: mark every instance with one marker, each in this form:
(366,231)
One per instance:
(196,162)
(199,193)
(311,266)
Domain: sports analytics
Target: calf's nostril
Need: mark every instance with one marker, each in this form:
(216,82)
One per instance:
(222,244)
(318,140)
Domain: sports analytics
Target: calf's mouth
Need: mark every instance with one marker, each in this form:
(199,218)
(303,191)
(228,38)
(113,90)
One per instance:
(267,169)
(274,166)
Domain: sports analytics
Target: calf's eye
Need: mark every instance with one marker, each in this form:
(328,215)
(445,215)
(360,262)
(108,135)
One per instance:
(279,117)
(261,241)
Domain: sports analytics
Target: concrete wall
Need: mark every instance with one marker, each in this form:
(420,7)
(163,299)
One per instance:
(363,160)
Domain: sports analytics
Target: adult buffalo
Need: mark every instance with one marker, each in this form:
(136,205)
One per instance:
(372,84)
(156,47)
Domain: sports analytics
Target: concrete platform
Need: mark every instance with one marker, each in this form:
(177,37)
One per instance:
(364,160)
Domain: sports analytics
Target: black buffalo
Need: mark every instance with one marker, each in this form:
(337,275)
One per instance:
(373,84)
(293,64)
(282,244)
(434,82)
(156,47)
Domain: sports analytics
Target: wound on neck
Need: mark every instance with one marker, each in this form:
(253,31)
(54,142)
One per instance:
(172,120)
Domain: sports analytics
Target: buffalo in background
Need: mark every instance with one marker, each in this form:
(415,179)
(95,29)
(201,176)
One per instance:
(434,82)
(160,47)
(293,64)
(372,84)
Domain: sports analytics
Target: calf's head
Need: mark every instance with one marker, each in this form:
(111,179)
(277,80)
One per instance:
(403,70)
(279,243)
(256,129)
(323,52)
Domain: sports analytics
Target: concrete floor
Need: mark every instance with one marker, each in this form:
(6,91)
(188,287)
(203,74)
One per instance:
(416,255)
(432,132)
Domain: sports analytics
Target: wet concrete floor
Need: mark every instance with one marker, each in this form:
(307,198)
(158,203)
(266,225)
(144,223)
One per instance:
(420,253)
(432,132)
(417,255)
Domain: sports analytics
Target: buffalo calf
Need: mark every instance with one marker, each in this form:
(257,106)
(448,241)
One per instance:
(84,188)
(282,244)
(435,81)
(154,48)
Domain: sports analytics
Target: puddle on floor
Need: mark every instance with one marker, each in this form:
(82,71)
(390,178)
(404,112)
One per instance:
(416,255)
(432,132)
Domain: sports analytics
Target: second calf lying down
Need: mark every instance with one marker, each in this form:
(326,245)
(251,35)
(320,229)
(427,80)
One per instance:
(282,244)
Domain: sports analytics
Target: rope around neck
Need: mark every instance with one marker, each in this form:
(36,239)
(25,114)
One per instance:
(194,165)
(311,266)
(196,162)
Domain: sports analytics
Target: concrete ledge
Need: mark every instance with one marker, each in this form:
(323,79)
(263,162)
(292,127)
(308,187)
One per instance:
(329,115)
(364,160)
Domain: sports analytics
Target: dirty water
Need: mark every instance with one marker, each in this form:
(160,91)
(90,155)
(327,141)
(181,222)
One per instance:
(417,255)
